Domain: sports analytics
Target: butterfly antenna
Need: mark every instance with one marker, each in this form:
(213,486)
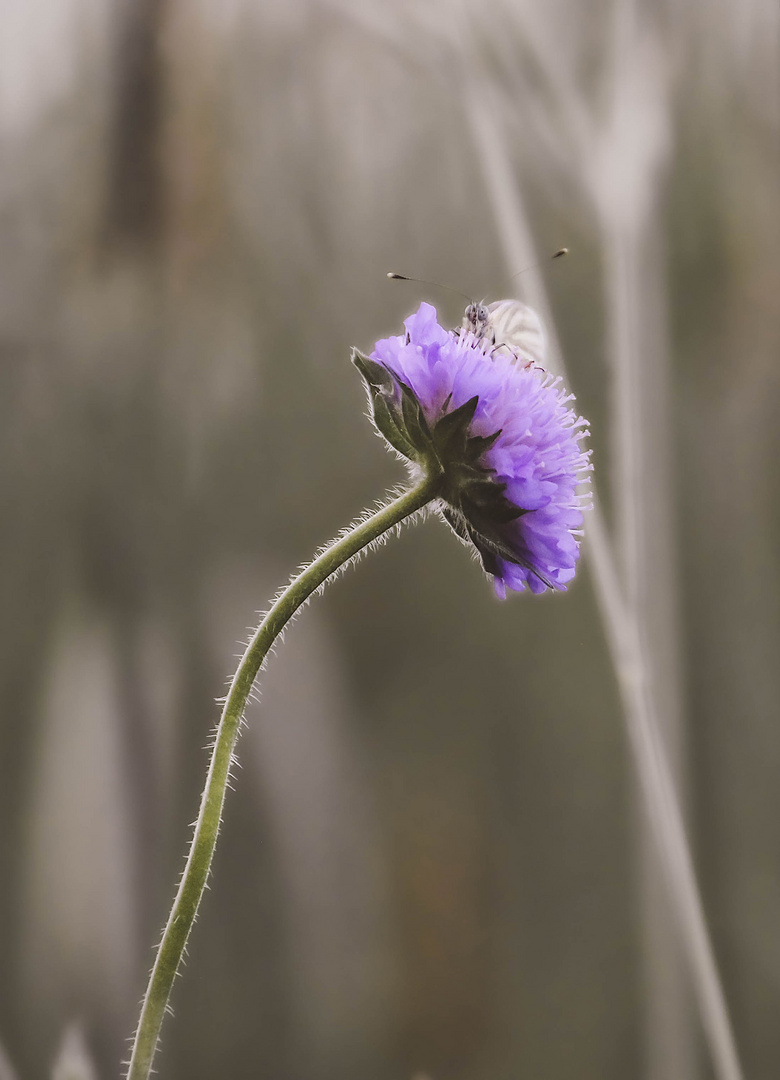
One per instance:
(436,284)
(557,255)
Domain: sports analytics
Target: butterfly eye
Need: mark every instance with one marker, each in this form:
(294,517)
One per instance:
(482,314)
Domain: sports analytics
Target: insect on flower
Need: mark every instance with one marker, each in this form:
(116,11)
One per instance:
(508,325)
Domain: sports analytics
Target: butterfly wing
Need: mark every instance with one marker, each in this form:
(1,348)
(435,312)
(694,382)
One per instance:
(517,326)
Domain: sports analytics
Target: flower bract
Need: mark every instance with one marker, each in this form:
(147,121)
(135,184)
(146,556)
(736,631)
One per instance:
(502,434)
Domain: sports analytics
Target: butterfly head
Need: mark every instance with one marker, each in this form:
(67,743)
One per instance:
(476,319)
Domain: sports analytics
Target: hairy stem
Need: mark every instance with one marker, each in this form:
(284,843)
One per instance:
(204,839)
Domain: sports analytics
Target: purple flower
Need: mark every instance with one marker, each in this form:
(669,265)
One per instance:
(501,433)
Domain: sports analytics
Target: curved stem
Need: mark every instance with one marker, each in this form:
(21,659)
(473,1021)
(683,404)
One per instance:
(204,839)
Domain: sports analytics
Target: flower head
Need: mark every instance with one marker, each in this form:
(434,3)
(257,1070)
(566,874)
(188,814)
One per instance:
(502,435)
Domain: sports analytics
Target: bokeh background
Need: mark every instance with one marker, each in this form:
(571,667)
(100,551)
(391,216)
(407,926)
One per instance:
(435,860)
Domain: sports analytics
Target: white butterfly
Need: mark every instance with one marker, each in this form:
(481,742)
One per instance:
(507,324)
(510,324)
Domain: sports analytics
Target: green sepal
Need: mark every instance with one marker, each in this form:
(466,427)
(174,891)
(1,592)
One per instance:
(487,537)
(389,415)
(414,419)
(478,444)
(375,374)
(491,545)
(487,497)
(488,558)
(456,521)
(450,434)
(389,422)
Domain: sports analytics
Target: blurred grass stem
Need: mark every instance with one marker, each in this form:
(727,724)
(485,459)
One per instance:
(626,179)
(193,882)
(621,623)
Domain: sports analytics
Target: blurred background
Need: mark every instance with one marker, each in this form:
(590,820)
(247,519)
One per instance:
(435,860)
